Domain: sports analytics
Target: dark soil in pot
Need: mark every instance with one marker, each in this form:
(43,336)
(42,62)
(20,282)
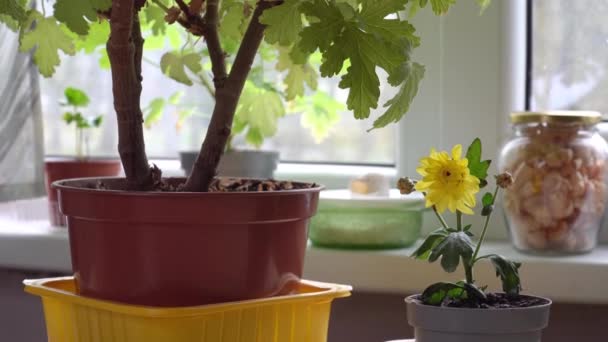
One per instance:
(495,301)
(65,168)
(181,248)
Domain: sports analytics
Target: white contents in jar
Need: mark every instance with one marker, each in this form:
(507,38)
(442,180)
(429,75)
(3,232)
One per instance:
(558,197)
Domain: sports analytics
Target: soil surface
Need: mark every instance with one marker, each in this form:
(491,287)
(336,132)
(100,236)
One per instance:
(496,301)
(220,184)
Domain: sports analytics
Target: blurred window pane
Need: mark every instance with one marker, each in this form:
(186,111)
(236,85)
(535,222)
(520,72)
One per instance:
(569,55)
(348,141)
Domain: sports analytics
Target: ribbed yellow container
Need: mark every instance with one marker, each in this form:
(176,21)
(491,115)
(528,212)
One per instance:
(302,317)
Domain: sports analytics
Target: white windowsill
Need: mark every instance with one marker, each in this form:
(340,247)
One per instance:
(34,245)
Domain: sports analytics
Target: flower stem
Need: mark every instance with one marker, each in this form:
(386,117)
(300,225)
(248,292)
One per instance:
(443,223)
(458,220)
(468,272)
(483,232)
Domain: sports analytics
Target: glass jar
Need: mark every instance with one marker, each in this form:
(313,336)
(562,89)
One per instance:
(558,160)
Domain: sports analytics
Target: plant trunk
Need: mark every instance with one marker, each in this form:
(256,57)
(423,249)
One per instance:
(227,97)
(125,47)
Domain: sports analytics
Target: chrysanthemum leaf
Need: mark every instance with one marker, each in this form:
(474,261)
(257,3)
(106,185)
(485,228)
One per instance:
(431,241)
(487,199)
(451,249)
(438,292)
(508,271)
(477,167)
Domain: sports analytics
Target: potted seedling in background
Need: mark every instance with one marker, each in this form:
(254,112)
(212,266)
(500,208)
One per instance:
(81,165)
(463,311)
(77,99)
(145,239)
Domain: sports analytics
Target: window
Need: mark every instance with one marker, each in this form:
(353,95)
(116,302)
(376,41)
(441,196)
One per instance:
(569,55)
(348,141)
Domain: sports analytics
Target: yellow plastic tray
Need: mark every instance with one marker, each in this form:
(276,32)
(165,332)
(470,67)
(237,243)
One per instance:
(302,317)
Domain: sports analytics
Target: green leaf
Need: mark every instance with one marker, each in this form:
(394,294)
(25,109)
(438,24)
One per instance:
(76,118)
(483,5)
(76,14)
(297,75)
(366,52)
(477,167)
(183,115)
(487,199)
(173,65)
(68,117)
(326,25)
(399,105)
(438,292)
(48,38)
(104,60)
(284,22)
(414,8)
(368,40)
(155,17)
(508,271)
(96,121)
(333,60)
(176,98)
(12,13)
(320,113)
(254,137)
(238,125)
(233,22)
(451,249)
(381,8)
(154,43)
(97,37)
(192,61)
(268,52)
(441,6)
(259,108)
(76,97)
(154,111)
(174,35)
(297,55)
(430,242)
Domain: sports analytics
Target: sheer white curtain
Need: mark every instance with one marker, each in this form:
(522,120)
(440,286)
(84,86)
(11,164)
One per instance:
(21,133)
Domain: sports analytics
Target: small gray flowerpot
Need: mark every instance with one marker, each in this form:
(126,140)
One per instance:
(246,164)
(440,324)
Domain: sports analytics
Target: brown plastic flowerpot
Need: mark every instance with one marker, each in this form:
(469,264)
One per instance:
(181,248)
(64,168)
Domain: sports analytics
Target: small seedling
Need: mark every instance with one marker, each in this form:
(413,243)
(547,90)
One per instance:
(78,99)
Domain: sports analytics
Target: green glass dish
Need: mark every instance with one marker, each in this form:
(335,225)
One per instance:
(351,221)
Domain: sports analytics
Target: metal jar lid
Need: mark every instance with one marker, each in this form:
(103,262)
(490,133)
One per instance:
(557,116)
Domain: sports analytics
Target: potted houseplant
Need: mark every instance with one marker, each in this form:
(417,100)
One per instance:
(463,311)
(81,165)
(145,239)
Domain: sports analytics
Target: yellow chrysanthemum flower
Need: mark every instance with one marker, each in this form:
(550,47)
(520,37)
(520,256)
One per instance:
(447,182)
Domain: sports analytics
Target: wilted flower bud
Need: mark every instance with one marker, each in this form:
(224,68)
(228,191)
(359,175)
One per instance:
(504,180)
(406,186)
(172,14)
